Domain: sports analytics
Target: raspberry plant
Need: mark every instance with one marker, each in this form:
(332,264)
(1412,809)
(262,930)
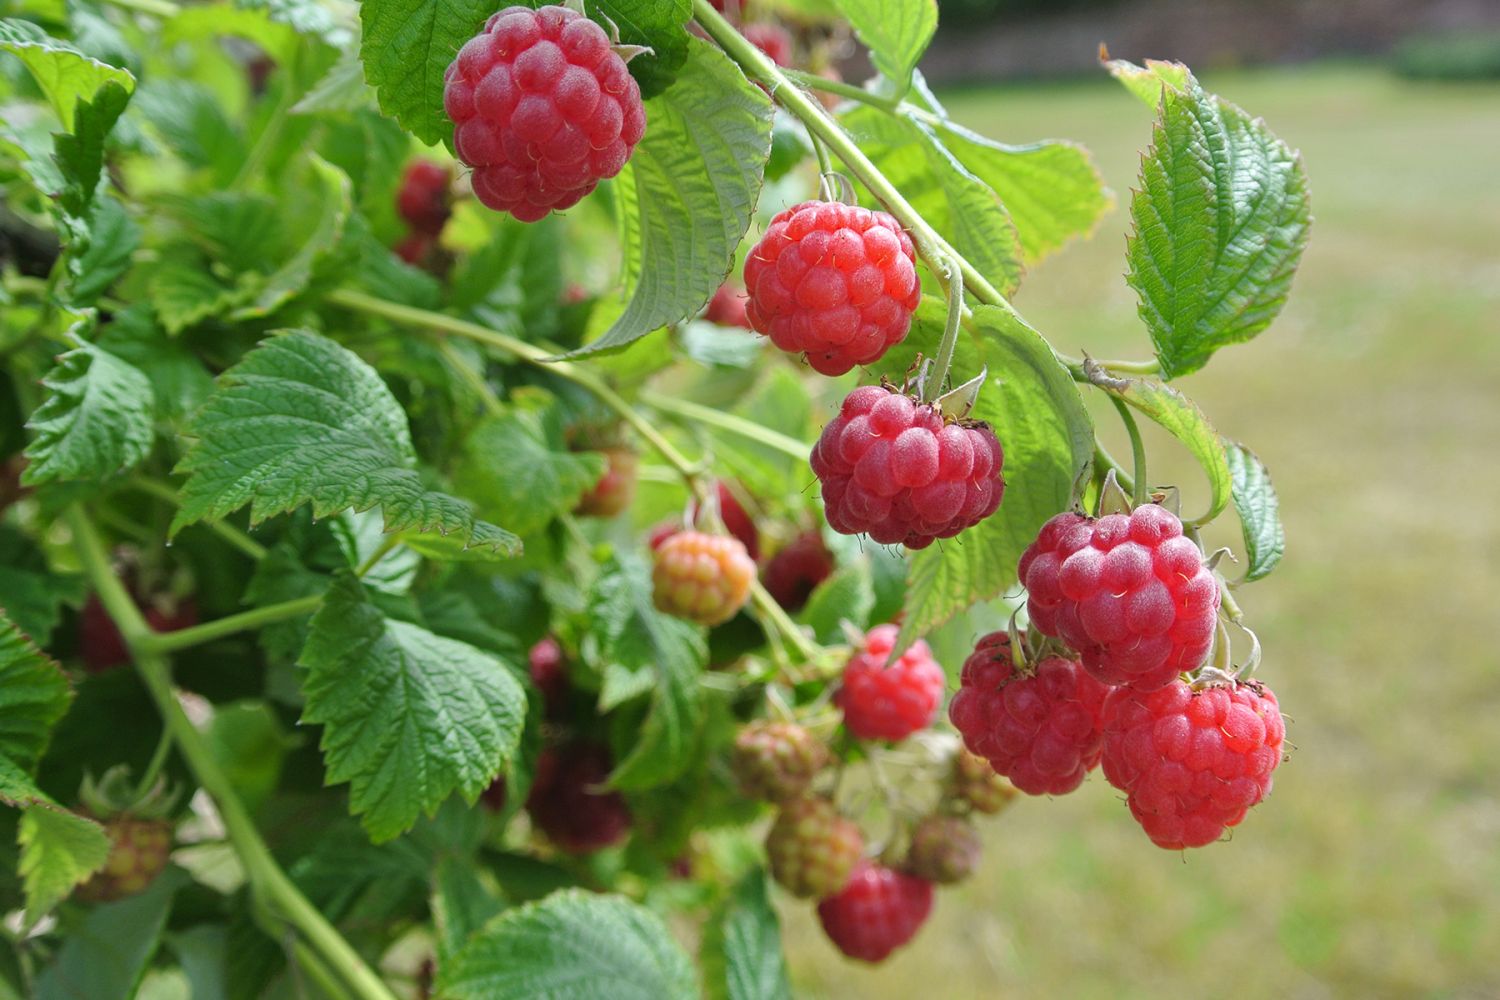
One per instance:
(390,467)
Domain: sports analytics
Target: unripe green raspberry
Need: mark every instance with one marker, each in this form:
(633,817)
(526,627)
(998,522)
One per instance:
(777,761)
(139,853)
(812,848)
(703,578)
(943,849)
(974,781)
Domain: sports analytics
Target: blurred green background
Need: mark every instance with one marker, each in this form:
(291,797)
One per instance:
(1374,869)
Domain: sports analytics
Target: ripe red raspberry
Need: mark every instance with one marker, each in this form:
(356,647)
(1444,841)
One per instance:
(777,761)
(835,282)
(549,672)
(543,109)
(100,644)
(812,848)
(1192,763)
(728,307)
(569,804)
(975,782)
(1041,727)
(893,468)
(772,39)
(422,198)
(615,489)
(417,249)
(876,912)
(139,850)
(797,568)
(944,849)
(703,578)
(1129,592)
(738,523)
(890,703)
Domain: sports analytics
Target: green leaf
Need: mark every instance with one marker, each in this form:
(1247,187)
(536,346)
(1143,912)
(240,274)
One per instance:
(1034,407)
(1181,418)
(1051,189)
(113,237)
(330,199)
(95,422)
(184,290)
(107,955)
(178,378)
(301,420)
(632,635)
(687,194)
(519,467)
(661,26)
(80,152)
(896,31)
(237,230)
(461,903)
(409,717)
(573,945)
(31,594)
(847,595)
(59,850)
(1146,82)
(190,120)
(65,75)
(750,935)
(960,206)
(1260,519)
(407,46)
(1220,222)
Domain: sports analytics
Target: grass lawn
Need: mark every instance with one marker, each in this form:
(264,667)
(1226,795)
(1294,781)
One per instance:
(1374,869)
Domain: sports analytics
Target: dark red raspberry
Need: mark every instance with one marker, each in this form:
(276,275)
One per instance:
(892,467)
(812,849)
(796,569)
(1192,763)
(417,249)
(139,850)
(1129,592)
(728,307)
(836,282)
(615,489)
(777,761)
(944,849)
(422,198)
(975,782)
(738,523)
(772,39)
(569,803)
(876,912)
(100,644)
(1041,727)
(703,578)
(543,109)
(549,672)
(890,703)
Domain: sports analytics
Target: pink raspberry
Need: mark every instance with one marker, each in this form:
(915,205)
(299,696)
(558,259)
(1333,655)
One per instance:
(703,578)
(549,672)
(890,703)
(836,282)
(892,467)
(796,569)
(812,849)
(876,912)
(728,308)
(1040,727)
(772,39)
(543,109)
(422,198)
(1192,763)
(569,803)
(1129,592)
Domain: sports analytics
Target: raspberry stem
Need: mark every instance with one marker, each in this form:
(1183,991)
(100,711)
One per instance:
(1137,488)
(727,421)
(953,278)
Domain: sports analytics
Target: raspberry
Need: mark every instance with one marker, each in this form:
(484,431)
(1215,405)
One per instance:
(416,249)
(543,109)
(1040,728)
(422,198)
(739,523)
(797,568)
(944,849)
(661,532)
(772,39)
(812,848)
(890,703)
(100,644)
(892,467)
(139,850)
(1129,592)
(974,781)
(615,489)
(549,672)
(568,803)
(876,912)
(493,798)
(728,308)
(703,578)
(776,761)
(835,282)
(1192,763)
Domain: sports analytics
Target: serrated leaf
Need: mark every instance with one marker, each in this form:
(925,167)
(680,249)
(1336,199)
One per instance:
(1220,222)
(189,119)
(331,197)
(65,75)
(632,635)
(184,290)
(113,237)
(59,849)
(409,717)
(461,904)
(573,945)
(1146,82)
(95,422)
(301,420)
(31,594)
(407,46)
(688,192)
(1181,417)
(519,467)
(237,230)
(178,377)
(80,151)
(847,595)
(1260,518)
(361,537)
(896,32)
(750,935)
(1034,407)
(342,88)
(107,954)
(960,206)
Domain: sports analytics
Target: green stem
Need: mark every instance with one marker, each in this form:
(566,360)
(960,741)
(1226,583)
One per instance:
(154,766)
(158,8)
(473,379)
(953,279)
(1139,487)
(727,421)
(245,621)
(775,615)
(1105,461)
(386,547)
(811,81)
(224,530)
(255,162)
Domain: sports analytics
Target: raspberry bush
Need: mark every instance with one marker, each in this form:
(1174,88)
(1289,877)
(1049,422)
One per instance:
(408,560)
